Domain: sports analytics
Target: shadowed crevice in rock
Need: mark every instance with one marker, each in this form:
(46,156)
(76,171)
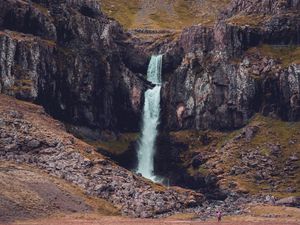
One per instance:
(74,61)
(174,170)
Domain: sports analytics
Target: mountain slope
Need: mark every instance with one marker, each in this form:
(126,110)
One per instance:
(27,192)
(160,14)
(30,136)
(261,158)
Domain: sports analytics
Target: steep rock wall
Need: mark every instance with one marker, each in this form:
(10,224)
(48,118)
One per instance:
(73,60)
(220,80)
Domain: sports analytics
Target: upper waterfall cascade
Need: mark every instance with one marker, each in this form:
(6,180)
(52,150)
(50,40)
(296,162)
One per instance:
(151,114)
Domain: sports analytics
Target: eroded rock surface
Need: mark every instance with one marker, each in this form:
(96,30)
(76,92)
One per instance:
(28,135)
(222,75)
(73,60)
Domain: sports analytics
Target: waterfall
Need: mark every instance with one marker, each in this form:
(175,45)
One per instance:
(151,112)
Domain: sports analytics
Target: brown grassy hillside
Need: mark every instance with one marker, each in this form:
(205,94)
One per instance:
(163,14)
(27,192)
(263,157)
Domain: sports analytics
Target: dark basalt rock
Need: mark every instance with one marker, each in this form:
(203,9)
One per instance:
(197,161)
(74,61)
(84,69)
(218,84)
(265,6)
(174,170)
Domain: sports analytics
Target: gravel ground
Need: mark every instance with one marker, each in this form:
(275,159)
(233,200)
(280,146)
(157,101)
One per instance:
(127,221)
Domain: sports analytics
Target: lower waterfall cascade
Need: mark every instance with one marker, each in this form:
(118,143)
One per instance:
(151,116)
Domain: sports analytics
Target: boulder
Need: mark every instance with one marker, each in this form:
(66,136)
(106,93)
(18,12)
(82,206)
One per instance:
(289,201)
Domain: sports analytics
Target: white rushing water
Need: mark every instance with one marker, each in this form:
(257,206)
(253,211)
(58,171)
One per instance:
(151,114)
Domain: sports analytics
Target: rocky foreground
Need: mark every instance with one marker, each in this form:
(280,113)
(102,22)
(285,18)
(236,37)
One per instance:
(34,149)
(30,136)
(30,193)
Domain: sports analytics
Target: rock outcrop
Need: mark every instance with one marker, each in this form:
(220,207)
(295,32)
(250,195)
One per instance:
(84,69)
(218,80)
(73,60)
(260,158)
(28,135)
(289,201)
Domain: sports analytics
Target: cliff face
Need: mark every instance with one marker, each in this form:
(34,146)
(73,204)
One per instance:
(265,6)
(85,70)
(248,62)
(73,60)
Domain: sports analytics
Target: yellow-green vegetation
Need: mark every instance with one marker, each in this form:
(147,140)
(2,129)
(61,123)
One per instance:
(225,149)
(22,85)
(50,43)
(183,216)
(41,8)
(261,214)
(18,36)
(171,14)
(160,19)
(122,11)
(286,54)
(116,146)
(252,20)
(271,131)
(25,82)
(275,210)
(204,13)
(16,182)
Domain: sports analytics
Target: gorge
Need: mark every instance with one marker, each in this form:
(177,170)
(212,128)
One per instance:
(110,95)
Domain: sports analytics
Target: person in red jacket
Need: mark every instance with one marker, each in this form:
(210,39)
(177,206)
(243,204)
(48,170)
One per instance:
(219,215)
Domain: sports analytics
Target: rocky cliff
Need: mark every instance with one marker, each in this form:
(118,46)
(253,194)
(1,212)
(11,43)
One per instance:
(85,70)
(73,60)
(218,77)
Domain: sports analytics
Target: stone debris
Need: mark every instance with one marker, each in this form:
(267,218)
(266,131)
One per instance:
(38,140)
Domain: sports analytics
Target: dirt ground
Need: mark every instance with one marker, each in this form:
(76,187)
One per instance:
(258,215)
(26,193)
(128,221)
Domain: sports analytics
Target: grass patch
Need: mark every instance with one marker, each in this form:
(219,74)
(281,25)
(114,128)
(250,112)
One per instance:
(50,43)
(122,11)
(275,210)
(172,14)
(287,55)
(205,13)
(204,171)
(15,180)
(249,186)
(161,20)
(22,85)
(183,216)
(226,149)
(253,20)
(264,214)
(118,146)
(271,131)
(226,137)
(41,8)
